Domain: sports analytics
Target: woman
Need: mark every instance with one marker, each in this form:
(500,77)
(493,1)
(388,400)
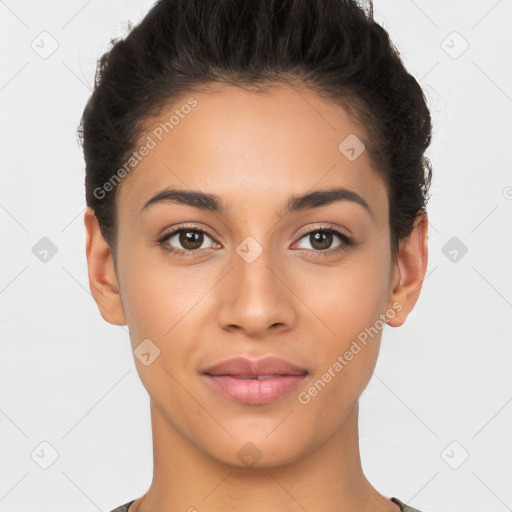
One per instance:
(256,187)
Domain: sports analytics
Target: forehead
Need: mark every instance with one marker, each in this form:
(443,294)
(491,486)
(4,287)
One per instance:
(244,144)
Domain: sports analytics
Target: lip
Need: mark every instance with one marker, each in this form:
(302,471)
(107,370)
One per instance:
(243,366)
(236,379)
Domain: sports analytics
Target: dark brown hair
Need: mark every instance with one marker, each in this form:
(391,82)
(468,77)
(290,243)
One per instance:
(334,47)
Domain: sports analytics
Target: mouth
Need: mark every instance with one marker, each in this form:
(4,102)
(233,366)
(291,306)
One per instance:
(259,377)
(255,382)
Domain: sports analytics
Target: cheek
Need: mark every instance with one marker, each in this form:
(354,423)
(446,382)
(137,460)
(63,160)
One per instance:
(161,305)
(158,298)
(168,306)
(343,361)
(349,303)
(350,297)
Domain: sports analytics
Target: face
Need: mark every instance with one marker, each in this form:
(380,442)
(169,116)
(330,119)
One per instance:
(310,284)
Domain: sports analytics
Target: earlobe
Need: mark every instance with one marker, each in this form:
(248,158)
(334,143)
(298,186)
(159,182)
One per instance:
(102,276)
(410,269)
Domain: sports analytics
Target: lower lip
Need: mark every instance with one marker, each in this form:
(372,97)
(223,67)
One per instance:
(255,391)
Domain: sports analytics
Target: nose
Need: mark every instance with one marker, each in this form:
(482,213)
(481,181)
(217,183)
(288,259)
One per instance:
(258,298)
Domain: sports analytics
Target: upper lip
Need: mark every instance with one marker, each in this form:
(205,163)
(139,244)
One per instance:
(247,367)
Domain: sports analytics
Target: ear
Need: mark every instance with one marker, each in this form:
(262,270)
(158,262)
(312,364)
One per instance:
(102,276)
(409,271)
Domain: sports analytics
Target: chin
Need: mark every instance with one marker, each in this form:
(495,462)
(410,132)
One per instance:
(257,451)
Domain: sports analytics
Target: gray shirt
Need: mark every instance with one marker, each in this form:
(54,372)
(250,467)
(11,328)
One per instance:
(402,505)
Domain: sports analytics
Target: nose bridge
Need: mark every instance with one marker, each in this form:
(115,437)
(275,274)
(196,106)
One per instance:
(256,299)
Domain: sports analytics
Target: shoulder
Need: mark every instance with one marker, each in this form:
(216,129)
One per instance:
(123,508)
(403,506)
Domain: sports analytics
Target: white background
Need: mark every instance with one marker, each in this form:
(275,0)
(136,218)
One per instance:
(68,378)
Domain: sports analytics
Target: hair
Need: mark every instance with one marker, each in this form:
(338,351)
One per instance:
(333,47)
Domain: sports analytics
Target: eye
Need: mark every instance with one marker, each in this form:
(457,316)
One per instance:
(321,240)
(190,238)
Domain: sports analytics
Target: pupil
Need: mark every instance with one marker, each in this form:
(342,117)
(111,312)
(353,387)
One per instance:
(324,237)
(188,237)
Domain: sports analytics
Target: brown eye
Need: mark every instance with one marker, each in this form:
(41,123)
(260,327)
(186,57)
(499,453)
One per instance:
(321,241)
(185,240)
(190,240)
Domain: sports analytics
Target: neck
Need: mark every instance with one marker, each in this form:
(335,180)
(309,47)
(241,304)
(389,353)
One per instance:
(329,478)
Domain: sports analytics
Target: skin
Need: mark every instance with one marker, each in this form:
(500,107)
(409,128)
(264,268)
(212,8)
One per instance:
(255,151)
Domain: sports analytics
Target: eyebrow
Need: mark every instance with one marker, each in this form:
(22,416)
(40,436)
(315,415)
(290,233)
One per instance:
(213,203)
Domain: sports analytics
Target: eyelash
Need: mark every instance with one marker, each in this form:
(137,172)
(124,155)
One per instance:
(346,241)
